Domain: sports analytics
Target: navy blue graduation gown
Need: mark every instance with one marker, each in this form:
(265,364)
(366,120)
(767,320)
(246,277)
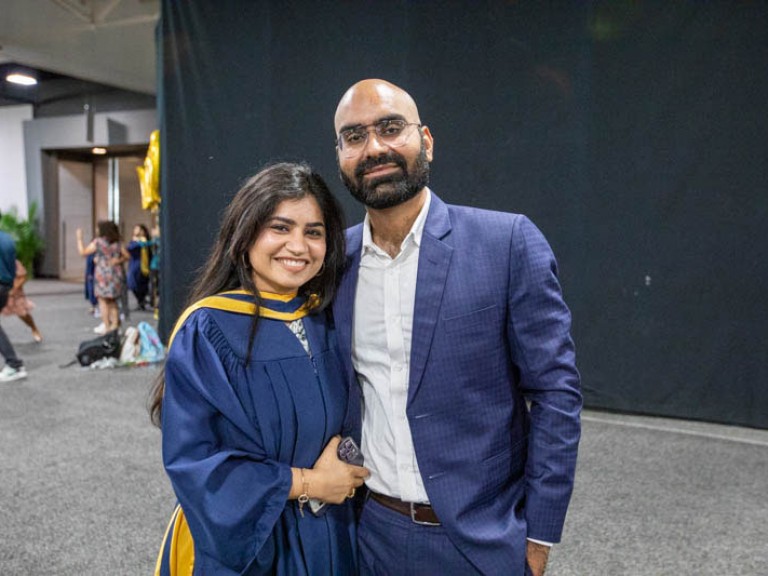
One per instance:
(231,433)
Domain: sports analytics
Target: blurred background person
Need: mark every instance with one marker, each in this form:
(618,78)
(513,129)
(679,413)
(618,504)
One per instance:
(139,249)
(88,284)
(14,367)
(109,278)
(154,270)
(18,304)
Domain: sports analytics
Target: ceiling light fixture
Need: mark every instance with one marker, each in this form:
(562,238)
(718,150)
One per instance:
(22,79)
(99,150)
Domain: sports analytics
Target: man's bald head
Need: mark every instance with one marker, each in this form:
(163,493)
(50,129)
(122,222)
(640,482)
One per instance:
(374,95)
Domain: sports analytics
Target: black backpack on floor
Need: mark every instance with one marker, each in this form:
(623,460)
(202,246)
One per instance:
(102,347)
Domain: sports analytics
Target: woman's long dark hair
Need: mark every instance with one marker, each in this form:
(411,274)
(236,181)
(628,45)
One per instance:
(228,266)
(145,230)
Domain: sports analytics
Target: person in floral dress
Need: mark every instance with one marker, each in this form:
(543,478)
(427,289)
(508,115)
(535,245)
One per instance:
(109,278)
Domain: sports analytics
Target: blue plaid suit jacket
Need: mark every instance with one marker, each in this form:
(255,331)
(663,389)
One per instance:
(491,331)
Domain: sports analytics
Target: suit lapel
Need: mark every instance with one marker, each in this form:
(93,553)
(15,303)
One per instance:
(342,312)
(434,263)
(345,296)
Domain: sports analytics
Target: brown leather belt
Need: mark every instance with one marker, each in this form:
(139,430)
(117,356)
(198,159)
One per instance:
(419,513)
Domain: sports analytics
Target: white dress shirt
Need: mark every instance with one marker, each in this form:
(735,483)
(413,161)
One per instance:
(381,354)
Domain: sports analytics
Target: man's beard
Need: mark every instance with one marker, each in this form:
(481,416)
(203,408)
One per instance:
(392,189)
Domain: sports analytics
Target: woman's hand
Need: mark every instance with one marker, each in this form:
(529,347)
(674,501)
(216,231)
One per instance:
(332,480)
(83,250)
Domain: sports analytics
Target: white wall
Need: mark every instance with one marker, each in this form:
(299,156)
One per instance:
(13,175)
(75,211)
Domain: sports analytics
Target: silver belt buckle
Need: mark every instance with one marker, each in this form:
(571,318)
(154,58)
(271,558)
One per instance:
(420,522)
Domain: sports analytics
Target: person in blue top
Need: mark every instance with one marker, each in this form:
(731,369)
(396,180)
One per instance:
(14,367)
(154,269)
(253,399)
(139,249)
(90,295)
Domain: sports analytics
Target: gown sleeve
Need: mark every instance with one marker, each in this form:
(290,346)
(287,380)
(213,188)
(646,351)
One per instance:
(230,490)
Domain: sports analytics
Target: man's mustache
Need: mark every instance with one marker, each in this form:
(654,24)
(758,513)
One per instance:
(389,158)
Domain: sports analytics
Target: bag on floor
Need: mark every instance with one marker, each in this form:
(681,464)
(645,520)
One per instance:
(102,347)
(129,353)
(152,349)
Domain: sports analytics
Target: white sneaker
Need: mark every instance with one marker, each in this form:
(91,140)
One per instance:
(100,329)
(9,374)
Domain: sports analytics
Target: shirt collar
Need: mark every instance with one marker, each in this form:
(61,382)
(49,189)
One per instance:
(414,235)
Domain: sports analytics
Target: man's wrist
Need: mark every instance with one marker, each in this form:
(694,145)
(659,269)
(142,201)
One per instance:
(547,544)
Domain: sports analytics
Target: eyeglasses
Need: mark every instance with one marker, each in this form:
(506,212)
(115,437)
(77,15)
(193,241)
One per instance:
(393,133)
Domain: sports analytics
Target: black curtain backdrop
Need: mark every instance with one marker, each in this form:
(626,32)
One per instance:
(632,133)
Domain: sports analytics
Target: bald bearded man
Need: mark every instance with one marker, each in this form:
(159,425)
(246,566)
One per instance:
(461,367)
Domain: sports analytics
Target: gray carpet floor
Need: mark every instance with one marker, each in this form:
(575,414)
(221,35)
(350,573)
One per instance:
(83,492)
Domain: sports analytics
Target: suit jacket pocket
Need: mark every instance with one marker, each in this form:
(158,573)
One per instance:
(463,343)
(473,320)
(506,466)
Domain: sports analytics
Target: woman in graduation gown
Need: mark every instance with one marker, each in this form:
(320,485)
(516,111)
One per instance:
(253,401)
